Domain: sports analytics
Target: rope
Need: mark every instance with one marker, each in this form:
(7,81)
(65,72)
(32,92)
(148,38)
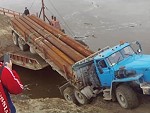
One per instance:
(32,4)
(48,10)
(69,29)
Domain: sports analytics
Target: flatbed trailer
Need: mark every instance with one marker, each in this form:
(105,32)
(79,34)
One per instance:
(25,59)
(56,48)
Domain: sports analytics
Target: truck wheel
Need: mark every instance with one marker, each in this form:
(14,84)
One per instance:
(15,38)
(126,97)
(23,46)
(82,99)
(69,95)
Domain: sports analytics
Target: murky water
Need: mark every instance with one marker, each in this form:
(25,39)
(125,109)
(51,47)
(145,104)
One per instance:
(100,22)
(42,83)
(103,22)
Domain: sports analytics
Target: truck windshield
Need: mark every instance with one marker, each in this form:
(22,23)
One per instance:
(115,58)
(120,55)
(127,51)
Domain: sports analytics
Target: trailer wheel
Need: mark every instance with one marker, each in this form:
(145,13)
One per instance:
(82,99)
(23,46)
(69,95)
(126,97)
(15,38)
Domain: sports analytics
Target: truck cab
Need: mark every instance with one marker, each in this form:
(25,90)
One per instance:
(111,60)
(121,71)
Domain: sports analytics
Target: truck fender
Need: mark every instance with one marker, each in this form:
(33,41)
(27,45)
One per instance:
(113,90)
(117,82)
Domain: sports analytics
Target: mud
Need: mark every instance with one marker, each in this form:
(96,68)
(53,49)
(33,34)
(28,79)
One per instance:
(57,105)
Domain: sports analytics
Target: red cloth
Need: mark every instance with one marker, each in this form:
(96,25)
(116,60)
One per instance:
(11,81)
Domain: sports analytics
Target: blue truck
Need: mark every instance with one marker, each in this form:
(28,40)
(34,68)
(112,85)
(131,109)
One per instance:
(119,72)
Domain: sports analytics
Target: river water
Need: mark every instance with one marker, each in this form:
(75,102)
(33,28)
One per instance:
(99,23)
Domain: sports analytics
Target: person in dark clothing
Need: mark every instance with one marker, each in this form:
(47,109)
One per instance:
(26,11)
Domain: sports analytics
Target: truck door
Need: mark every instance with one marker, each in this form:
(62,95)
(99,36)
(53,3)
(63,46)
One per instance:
(104,72)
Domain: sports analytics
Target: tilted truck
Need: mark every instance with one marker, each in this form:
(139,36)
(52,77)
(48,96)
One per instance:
(118,72)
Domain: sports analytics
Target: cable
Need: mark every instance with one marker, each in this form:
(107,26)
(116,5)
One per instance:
(71,32)
(48,10)
(32,4)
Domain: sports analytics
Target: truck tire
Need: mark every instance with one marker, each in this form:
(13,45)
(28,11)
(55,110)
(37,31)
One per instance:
(23,46)
(126,97)
(82,99)
(15,38)
(69,95)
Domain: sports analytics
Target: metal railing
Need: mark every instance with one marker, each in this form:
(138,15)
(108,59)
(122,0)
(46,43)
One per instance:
(9,12)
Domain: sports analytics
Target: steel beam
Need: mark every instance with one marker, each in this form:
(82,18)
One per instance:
(57,51)
(68,40)
(55,41)
(49,53)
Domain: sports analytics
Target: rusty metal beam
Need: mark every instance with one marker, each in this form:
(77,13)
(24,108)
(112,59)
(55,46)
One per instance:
(55,41)
(75,55)
(18,30)
(50,54)
(71,42)
(57,51)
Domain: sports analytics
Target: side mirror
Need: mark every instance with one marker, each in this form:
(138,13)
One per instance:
(139,50)
(136,47)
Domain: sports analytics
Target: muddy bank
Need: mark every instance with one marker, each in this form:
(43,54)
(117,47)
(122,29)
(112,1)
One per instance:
(57,105)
